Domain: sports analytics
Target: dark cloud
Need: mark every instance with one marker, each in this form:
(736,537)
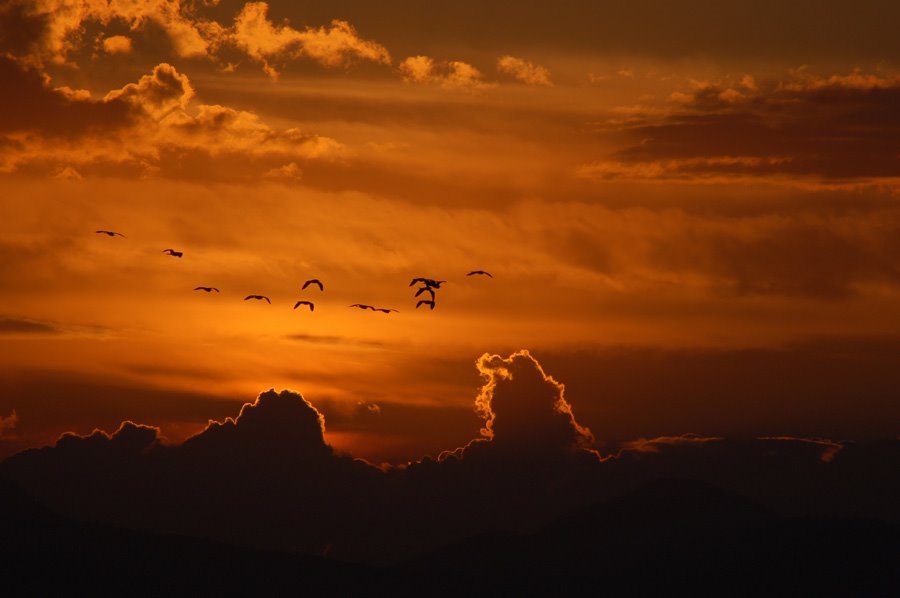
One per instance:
(11,325)
(524,409)
(834,128)
(31,105)
(834,387)
(269,478)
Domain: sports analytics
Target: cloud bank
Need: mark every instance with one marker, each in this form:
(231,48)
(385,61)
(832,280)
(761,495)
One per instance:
(269,478)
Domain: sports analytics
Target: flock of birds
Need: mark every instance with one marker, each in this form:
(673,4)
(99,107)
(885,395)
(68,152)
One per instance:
(429,285)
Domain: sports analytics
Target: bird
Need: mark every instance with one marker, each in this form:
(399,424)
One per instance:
(482,272)
(309,303)
(428,282)
(385,310)
(258,297)
(173,253)
(313,281)
(424,289)
(363,306)
(207,289)
(111,233)
(424,302)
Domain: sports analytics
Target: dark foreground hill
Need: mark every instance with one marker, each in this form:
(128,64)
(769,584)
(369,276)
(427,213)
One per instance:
(671,535)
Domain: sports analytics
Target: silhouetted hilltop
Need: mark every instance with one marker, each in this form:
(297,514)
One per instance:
(673,535)
(45,552)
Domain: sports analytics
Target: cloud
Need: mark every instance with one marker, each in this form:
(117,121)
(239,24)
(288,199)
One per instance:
(157,94)
(453,75)
(11,325)
(524,409)
(653,445)
(277,424)
(524,71)
(8,423)
(831,129)
(336,46)
(269,478)
(55,26)
(146,128)
(117,44)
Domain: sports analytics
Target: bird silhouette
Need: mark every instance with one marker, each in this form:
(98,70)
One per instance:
(385,310)
(363,306)
(207,289)
(173,253)
(424,289)
(111,233)
(258,297)
(313,281)
(309,303)
(428,282)
(482,272)
(424,302)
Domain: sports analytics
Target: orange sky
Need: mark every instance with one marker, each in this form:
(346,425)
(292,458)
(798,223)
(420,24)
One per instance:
(693,233)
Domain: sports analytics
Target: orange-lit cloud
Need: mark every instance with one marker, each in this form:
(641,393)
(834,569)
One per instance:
(524,409)
(334,46)
(117,44)
(57,24)
(524,71)
(139,127)
(653,445)
(454,75)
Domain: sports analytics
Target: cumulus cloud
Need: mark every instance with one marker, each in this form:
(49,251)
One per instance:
(48,31)
(336,46)
(147,127)
(55,26)
(524,409)
(268,476)
(454,75)
(524,71)
(157,94)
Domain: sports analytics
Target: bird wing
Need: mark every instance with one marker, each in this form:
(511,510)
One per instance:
(305,284)
(216,290)
(267,299)
(250,297)
(298,304)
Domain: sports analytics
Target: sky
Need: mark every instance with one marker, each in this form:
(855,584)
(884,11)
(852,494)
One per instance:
(690,215)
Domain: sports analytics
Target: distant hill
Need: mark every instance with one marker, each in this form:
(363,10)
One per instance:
(670,535)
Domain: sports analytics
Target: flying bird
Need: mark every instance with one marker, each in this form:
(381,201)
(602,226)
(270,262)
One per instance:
(110,233)
(173,253)
(313,281)
(482,272)
(363,306)
(428,282)
(424,289)
(423,302)
(258,297)
(309,303)
(207,289)
(385,310)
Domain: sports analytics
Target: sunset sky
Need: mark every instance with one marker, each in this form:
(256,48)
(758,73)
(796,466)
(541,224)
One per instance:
(691,214)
